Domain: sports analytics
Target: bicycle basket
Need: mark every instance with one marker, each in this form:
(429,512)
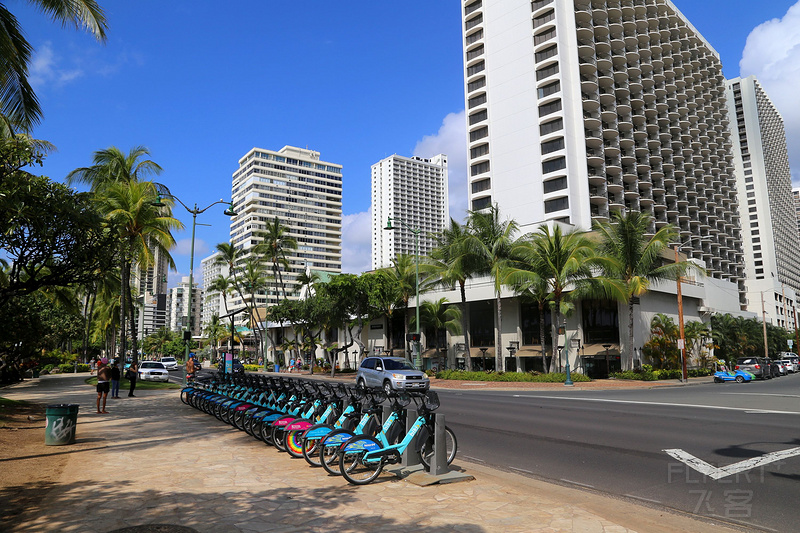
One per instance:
(402,399)
(431,400)
(378,396)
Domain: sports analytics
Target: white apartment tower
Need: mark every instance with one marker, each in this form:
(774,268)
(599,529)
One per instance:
(305,194)
(796,196)
(151,286)
(178,306)
(767,206)
(214,302)
(412,191)
(577,108)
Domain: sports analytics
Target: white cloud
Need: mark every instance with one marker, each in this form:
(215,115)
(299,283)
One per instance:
(184,247)
(451,141)
(44,69)
(357,242)
(772,54)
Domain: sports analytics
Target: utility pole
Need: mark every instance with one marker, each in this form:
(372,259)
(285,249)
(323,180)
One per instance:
(764,325)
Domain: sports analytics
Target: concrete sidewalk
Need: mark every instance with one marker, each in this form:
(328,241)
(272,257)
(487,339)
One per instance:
(154,461)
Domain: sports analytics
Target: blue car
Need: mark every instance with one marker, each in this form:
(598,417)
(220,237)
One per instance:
(739,376)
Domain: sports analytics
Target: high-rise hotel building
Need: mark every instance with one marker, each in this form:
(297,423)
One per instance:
(412,191)
(305,194)
(577,108)
(767,206)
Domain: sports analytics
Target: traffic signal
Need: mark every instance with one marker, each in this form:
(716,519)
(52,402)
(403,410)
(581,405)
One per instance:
(187,335)
(413,337)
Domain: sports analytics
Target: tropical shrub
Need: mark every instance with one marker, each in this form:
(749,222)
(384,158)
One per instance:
(531,377)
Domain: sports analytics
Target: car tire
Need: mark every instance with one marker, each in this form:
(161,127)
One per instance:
(739,379)
(361,383)
(387,387)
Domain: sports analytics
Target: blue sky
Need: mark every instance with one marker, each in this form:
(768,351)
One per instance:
(200,85)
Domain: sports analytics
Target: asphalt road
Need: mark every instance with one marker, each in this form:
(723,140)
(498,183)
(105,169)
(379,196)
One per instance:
(615,442)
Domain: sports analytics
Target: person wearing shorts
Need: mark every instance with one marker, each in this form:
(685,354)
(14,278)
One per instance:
(103,383)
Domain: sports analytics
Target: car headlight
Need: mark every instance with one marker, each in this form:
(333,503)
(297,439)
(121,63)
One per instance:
(399,376)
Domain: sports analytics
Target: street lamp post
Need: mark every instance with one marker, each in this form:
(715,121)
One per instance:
(682,340)
(229,212)
(416,232)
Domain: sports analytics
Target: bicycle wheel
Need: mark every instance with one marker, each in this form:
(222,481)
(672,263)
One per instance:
(293,442)
(266,432)
(185,396)
(354,467)
(311,451)
(426,452)
(329,450)
(238,420)
(277,438)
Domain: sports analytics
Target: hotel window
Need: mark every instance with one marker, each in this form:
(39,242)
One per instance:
(556,204)
(473,22)
(477,84)
(547,53)
(479,168)
(472,54)
(480,116)
(480,133)
(477,36)
(552,146)
(536,4)
(547,109)
(546,72)
(550,127)
(544,19)
(549,89)
(554,164)
(544,36)
(477,100)
(478,67)
(481,185)
(555,185)
(481,203)
(479,151)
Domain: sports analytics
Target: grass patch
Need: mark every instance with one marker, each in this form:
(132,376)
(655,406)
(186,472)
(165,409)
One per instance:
(527,377)
(124,384)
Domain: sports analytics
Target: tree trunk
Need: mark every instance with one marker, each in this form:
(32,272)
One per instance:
(556,317)
(629,357)
(500,360)
(465,326)
(134,336)
(389,343)
(406,344)
(124,273)
(542,337)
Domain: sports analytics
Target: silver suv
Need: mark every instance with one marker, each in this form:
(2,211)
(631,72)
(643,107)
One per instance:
(391,373)
(758,366)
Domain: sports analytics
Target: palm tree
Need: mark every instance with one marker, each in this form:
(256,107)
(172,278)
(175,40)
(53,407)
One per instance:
(223,286)
(564,260)
(276,244)
(307,279)
(534,288)
(111,165)
(439,315)
(493,239)
(404,271)
(636,261)
(452,262)
(18,103)
(254,280)
(141,228)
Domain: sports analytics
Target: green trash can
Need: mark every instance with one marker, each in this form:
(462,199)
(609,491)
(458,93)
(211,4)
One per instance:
(62,420)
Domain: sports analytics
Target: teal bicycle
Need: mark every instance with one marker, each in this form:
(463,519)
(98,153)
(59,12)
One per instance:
(362,458)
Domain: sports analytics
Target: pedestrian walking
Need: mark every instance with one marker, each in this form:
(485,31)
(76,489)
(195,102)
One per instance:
(103,379)
(115,377)
(131,374)
(291,365)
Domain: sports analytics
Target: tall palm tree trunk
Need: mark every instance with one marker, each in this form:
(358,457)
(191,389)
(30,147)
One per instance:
(629,356)
(123,312)
(554,357)
(465,326)
(541,336)
(500,360)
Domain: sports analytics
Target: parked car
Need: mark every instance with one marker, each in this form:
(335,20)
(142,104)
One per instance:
(391,373)
(739,376)
(170,363)
(153,371)
(238,367)
(782,370)
(788,365)
(757,366)
(795,363)
(774,368)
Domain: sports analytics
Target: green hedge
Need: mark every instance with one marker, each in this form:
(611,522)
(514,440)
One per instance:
(69,368)
(531,377)
(654,375)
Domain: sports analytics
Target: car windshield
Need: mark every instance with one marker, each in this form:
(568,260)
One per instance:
(167,359)
(152,364)
(394,364)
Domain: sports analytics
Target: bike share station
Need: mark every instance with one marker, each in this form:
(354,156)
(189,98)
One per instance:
(411,468)
(296,415)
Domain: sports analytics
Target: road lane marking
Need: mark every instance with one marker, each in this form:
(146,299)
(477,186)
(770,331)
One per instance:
(473,459)
(576,483)
(718,473)
(642,499)
(762,394)
(665,404)
(521,470)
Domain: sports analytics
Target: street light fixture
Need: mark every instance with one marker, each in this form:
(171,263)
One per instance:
(682,340)
(416,232)
(195,211)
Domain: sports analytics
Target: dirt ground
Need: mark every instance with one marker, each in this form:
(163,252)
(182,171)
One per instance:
(28,468)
